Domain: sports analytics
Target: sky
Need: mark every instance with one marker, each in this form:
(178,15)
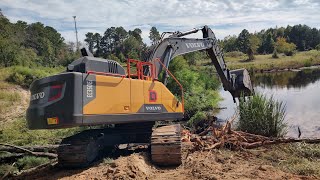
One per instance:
(225,17)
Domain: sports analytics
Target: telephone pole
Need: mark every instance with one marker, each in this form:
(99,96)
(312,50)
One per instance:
(1,15)
(75,27)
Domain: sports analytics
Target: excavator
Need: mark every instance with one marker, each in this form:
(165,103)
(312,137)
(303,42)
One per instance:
(124,102)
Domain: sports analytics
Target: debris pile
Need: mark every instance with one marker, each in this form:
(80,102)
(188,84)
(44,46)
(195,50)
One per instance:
(214,137)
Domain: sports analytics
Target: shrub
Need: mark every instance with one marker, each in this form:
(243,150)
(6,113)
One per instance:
(197,119)
(318,47)
(24,76)
(275,54)
(262,115)
(308,62)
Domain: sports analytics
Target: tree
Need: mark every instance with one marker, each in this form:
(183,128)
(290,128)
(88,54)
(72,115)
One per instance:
(267,45)
(97,40)
(283,47)
(89,40)
(254,43)
(154,35)
(229,44)
(243,41)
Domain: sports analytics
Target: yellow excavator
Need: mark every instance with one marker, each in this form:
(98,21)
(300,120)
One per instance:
(95,91)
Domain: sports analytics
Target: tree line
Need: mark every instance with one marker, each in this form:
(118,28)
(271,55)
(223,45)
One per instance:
(118,44)
(38,45)
(32,45)
(284,40)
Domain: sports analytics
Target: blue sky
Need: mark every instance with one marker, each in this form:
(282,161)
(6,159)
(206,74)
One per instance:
(225,17)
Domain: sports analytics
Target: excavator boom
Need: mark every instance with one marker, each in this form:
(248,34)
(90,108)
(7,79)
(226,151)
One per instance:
(237,82)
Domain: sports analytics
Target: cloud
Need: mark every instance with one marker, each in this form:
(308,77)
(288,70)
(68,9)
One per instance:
(225,17)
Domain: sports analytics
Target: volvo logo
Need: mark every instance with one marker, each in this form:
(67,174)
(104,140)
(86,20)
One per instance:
(195,45)
(37,96)
(153,108)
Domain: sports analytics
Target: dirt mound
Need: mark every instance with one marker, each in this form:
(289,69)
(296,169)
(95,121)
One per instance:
(135,166)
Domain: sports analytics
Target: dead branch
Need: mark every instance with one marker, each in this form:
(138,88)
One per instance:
(47,148)
(39,154)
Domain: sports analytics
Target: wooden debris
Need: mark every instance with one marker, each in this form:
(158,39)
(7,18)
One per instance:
(39,154)
(213,138)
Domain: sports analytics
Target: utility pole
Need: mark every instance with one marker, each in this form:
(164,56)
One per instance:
(75,27)
(1,15)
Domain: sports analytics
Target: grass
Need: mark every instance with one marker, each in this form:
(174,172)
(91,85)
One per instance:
(24,76)
(7,99)
(297,158)
(28,162)
(266,62)
(262,115)
(24,163)
(17,133)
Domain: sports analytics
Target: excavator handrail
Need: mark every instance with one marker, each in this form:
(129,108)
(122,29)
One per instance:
(180,85)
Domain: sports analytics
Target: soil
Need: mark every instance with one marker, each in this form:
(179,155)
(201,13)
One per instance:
(216,164)
(19,108)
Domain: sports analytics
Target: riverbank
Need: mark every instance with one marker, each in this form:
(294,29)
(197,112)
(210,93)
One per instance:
(265,63)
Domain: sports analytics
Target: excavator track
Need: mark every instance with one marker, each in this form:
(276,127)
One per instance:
(166,145)
(79,150)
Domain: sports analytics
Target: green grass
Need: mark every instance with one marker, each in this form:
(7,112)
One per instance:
(297,158)
(17,133)
(10,96)
(262,115)
(266,62)
(7,99)
(24,76)
(28,162)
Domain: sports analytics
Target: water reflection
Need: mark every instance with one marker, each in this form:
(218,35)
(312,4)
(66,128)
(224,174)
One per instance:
(299,90)
(289,79)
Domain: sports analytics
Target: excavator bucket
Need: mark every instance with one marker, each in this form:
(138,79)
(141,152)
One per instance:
(241,83)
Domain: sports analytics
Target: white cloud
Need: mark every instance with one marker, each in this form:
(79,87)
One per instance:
(223,16)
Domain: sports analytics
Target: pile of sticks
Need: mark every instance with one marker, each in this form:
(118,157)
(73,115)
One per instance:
(214,137)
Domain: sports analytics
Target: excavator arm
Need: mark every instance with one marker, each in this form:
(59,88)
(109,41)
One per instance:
(237,82)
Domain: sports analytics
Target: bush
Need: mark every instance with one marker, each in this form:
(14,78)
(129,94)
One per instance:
(262,115)
(308,62)
(24,76)
(318,47)
(275,54)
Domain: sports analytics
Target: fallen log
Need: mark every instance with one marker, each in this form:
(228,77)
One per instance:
(39,154)
(47,148)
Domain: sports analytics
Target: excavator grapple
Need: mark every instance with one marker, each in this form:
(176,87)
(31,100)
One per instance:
(95,91)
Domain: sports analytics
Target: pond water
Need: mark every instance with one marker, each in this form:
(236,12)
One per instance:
(300,90)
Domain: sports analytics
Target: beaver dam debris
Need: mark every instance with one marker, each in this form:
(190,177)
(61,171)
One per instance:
(224,137)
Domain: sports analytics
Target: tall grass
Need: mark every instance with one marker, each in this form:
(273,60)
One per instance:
(262,115)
